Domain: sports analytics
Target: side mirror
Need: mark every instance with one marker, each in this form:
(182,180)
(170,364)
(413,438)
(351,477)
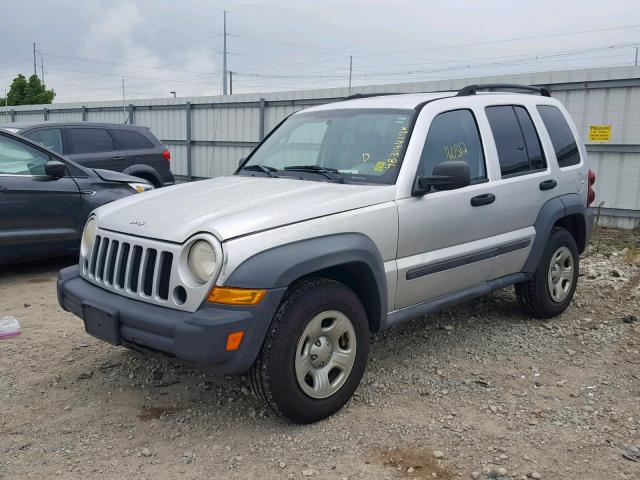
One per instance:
(55,169)
(448,175)
(241,160)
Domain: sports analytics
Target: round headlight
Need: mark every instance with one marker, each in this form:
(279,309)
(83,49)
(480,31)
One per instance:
(88,236)
(201,261)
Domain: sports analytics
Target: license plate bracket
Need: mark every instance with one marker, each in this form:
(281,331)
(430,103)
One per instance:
(101,323)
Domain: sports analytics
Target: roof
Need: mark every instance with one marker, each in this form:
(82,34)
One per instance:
(27,125)
(404,101)
(412,100)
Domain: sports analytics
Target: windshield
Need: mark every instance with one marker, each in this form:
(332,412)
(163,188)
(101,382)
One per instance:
(363,145)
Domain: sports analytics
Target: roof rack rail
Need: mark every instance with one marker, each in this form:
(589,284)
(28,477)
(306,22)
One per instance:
(492,87)
(367,95)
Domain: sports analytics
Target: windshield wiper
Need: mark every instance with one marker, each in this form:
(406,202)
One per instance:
(328,172)
(268,171)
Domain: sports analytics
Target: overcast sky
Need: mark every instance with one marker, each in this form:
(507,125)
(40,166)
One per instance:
(88,46)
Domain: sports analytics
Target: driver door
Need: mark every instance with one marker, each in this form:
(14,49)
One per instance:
(39,215)
(445,237)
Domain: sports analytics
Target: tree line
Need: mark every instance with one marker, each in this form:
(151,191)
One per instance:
(27,92)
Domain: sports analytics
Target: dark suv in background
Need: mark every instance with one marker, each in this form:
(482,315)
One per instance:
(130,149)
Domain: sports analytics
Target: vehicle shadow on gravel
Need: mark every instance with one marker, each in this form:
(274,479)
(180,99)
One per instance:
(37,268)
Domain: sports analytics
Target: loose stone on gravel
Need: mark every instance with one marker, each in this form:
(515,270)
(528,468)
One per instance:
(187,457)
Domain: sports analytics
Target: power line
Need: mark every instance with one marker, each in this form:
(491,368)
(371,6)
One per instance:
(469,65)
(142,67)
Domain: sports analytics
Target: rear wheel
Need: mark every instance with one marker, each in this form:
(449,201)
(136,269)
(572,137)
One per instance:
(551,289)
(314,354)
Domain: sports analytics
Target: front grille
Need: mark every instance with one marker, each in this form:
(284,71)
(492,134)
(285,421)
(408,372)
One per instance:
(127,266)
(145,269)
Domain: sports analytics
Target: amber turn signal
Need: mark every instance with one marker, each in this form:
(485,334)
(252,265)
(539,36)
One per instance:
(233,340)
(236,296)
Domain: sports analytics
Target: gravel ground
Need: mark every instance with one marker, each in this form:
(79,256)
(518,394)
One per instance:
(477,391)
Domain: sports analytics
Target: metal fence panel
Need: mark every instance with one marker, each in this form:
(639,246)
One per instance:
(220,130)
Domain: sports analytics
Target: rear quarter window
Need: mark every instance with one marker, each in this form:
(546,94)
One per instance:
(564,143)
(130,140)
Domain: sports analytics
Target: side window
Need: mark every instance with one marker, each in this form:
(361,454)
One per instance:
(517,142)
(130,140)
(50,138)
(531,139)
(89,140)
(564,143)
(16,158)
(453,136)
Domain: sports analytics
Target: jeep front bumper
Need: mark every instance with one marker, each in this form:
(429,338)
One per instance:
(198,337)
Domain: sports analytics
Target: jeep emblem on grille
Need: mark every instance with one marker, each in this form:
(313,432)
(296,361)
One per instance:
(138,222)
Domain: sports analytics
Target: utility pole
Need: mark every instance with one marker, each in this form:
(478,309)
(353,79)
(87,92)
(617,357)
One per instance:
(35,72)
(224,55)
(42,69)
(6,106)
(636,64)
(230,82)
(124,105)
(350,71)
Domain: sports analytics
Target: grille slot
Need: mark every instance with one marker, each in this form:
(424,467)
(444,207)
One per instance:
(130,267)
(111,262)
(149,269)
(135,268)
(102,256)
(122,265)
(94,255)
(166,262)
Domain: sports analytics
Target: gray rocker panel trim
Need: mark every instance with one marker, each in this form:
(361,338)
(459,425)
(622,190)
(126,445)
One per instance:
(409,313)
(552,211)
(281,266)
(466,259)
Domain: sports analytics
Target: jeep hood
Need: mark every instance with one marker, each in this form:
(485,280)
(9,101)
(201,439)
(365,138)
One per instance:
(232,206)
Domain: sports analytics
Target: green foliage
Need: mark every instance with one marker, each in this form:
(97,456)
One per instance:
(28,92)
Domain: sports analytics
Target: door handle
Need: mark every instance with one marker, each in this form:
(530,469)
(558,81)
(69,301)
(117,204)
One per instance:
(484,199)
(548,184)
(3,189)
(118,158)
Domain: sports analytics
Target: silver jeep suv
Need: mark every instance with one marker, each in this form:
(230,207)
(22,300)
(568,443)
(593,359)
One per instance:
(349,218)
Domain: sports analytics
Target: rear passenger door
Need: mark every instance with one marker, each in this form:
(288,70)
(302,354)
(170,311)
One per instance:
(526,182)
(139,149)
(94,147)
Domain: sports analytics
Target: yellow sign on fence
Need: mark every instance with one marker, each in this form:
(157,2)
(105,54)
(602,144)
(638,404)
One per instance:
(599,133)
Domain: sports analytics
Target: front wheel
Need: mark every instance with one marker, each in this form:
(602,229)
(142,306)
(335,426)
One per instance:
(315,352)
(551,289)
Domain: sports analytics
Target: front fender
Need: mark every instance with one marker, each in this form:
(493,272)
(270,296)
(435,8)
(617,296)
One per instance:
(280,266)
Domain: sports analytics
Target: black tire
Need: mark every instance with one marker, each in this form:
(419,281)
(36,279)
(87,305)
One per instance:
(534,294)
(273,376)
